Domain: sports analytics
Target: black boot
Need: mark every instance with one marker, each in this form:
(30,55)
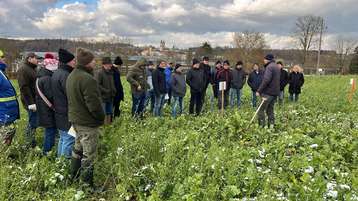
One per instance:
(75,168)
(87,176)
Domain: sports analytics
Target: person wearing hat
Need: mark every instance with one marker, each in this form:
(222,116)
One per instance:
(107,88)
(9,106)
(26,77)
(85,112)
(283,82)
(238,82)
(150,97)
(159,87)
(119,87)
(224,75)
(204,64)
(254,81)
(137,78)
(268,91)
(178,87)
(58,84)
(195,78)
(44,102)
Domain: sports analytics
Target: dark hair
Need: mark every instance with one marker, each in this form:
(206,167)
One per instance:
(239,63)
(226,62)
(206,58)
(280,62)
(217,62)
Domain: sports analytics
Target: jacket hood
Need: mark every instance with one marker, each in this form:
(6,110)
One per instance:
(141,62)
(44,72)
(2,66)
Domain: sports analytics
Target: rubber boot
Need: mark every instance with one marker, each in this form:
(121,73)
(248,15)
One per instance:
(75,168)
(87,176)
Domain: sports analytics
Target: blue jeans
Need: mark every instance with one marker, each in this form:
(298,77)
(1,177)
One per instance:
(254,99)
(108,107)
(177,101)
(281,97)
(150,97)
(158,105)
(235,93)
(49,140)
(31,128)
(138,103)
(294,97)
(65,144)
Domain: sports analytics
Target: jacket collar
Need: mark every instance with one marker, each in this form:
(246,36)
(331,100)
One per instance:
(66,67)
(83,68)
(31,65)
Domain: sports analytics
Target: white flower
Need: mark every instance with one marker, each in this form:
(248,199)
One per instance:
(309,170)
(332,194)
(313,146)
(79,195)
(262,153)
(345,187)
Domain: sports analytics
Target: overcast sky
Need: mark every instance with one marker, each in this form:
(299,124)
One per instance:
(184,23)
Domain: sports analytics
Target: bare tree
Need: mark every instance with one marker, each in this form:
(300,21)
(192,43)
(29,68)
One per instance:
(249,46)
(306,31)
(344,48)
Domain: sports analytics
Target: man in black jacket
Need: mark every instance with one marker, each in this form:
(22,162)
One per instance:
(254,81)
(26,77)
(58,84)
(283,82)
(238,82)
(119,87)
(195,78)
(159,87)
(269,90)
(207,75)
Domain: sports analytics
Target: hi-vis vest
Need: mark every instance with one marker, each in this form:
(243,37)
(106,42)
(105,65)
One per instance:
(6,99)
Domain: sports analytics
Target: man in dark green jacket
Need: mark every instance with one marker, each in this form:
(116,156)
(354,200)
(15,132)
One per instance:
(86,114)
(107,88)
(137,78)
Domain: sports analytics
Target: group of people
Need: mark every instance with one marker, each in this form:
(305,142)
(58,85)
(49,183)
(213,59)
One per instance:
(67,97)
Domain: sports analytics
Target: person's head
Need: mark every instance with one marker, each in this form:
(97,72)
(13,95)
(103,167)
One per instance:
(85,58)
(256,67)
(171,64)
(107,63)
(239,64)
(162,64)
(178,68)
(268,58)
(206,60)
(118,61)
(280,64)
(296,68)
(2,56)
(196,63)
(66,57)
(226,64)
(150,65)
(218,64)
(32,58)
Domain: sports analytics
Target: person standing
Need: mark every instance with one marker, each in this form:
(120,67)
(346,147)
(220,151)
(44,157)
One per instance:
(168,75)
(254,81)
(58,84)
(159,87)
(9,106)
(224,75)
(44,101)
(283,82)
(86,114)
(119,87)
(137,78)
(238,82)
(107,88)
(204,65)
(296,81)
(195,78)
(150,97)
(269,90)
(26,77)
(178,86)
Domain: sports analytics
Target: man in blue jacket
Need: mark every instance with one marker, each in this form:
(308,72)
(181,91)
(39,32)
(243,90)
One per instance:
(9,107)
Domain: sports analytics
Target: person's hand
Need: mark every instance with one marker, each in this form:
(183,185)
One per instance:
(32,107)
(139,88)
(257,94)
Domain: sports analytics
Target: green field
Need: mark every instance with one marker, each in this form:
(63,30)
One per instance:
(311,155)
